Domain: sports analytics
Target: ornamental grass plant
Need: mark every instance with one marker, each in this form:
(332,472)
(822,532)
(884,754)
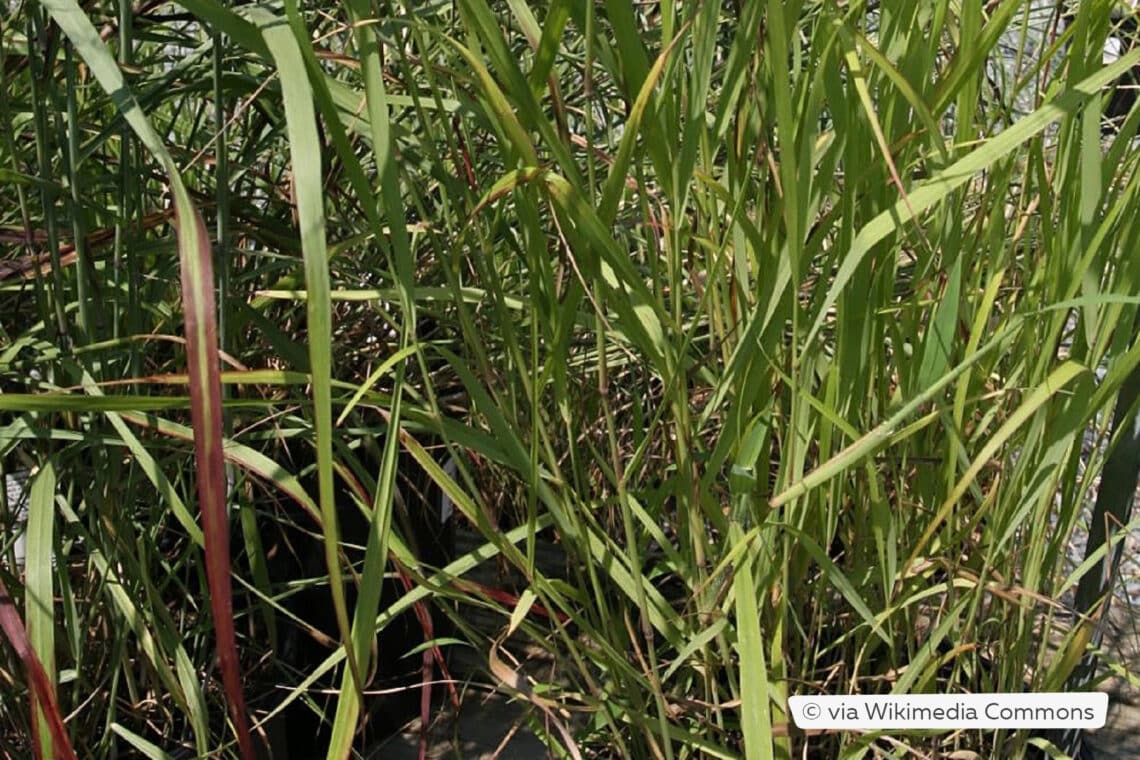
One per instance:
(788,323)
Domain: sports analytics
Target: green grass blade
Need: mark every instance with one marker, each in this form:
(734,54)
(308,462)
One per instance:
(305,151)
(642,109)
(756,717)
(145,748)
(39,600)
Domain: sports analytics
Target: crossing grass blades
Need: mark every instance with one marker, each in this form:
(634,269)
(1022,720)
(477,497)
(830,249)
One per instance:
(301,629)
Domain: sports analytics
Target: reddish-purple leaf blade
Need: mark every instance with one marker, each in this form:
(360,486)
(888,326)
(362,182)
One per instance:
(206,417)
(43,696)
(202,349)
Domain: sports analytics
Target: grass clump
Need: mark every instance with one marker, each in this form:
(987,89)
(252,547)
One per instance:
(785,322)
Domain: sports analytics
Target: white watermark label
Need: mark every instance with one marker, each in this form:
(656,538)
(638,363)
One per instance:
(1050,710)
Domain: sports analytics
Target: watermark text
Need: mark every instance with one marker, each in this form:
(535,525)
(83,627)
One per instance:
(1050,710)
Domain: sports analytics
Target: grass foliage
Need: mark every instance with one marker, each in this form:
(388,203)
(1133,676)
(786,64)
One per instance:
(786,321)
